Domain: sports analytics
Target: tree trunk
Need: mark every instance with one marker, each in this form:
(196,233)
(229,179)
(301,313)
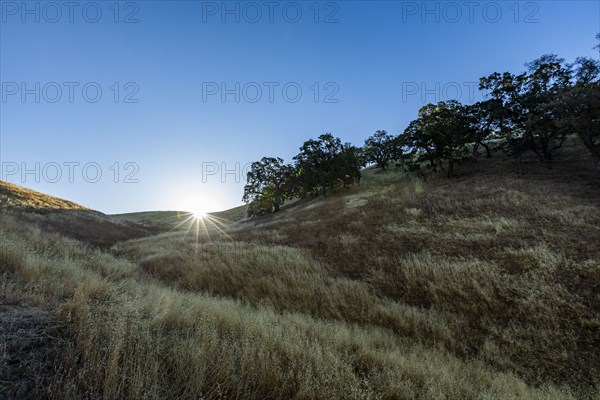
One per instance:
(476,149)
(520,164)
(433,164)
(439,164)
(594,150)
(549,162)
(540,155)
(450,173)
(487,150)
(276,207)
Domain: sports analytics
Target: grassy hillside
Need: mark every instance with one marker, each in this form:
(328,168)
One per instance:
(167,221)
(68,219)
(486,286)
(17,197)
(94,228)
(159,220)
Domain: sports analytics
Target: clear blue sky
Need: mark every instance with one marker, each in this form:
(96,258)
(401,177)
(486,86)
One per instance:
(371,57)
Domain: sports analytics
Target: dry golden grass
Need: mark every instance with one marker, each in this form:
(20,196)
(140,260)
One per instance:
(13,196)
(484,287)
(133,337)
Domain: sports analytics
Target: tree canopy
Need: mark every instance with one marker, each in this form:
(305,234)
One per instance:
(532,111)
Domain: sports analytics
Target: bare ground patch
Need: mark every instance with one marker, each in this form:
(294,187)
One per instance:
(30,344)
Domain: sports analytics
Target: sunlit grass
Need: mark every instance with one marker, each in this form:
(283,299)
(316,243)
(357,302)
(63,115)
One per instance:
(399,288)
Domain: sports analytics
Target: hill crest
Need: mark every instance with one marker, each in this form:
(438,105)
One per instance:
(15,196)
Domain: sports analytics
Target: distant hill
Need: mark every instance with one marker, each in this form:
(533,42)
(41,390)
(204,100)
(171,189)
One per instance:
(67,218)
(173,220)
(93,227)
(159,220)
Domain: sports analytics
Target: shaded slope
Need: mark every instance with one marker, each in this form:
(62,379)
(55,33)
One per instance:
(66,218)
(512,260)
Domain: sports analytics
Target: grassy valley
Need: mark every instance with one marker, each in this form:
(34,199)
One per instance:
(406,286)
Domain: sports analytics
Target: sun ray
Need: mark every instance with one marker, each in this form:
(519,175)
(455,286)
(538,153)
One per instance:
(208,219)
(190,218)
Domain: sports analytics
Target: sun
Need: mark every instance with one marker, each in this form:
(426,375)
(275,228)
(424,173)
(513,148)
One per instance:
(199,214)
(197,207)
